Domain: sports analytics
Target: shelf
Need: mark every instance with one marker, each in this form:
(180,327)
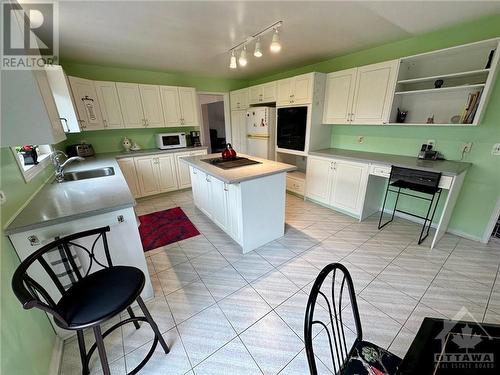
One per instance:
(425,124)
(442,89)
(450,75)
(298,175)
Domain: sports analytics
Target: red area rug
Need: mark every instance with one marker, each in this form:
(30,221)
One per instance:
(165,227)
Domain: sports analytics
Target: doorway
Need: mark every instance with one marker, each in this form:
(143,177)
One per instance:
(213,115)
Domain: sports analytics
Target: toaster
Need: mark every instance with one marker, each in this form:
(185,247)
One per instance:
(81,149)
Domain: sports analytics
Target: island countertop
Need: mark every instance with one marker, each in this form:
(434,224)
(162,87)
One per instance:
(446,167)
(240,174)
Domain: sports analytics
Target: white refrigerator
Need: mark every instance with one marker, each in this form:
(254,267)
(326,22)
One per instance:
(260,123)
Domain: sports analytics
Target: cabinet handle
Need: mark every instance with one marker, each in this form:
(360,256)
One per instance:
(105,123)
(33,240)
(207,179)
(82,124)
(194,172)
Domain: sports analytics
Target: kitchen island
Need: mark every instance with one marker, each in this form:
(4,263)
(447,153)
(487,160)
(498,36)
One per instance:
(246,202)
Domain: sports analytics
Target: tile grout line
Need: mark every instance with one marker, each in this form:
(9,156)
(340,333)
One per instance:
(491,293)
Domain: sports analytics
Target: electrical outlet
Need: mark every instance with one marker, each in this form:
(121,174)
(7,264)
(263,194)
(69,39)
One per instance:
(466,147)
(361,139)
(3,198)
(431,142)
(496,149)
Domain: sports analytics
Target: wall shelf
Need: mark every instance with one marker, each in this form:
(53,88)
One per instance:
(444,76)
(441,89)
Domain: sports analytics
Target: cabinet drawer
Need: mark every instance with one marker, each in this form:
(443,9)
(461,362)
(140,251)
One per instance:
(297,186)
(380,170)
(445,182)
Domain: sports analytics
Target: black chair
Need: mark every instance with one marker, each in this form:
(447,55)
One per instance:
(424,182)
(346,359)
(91,299)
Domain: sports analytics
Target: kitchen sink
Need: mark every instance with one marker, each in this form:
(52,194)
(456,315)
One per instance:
(90,173)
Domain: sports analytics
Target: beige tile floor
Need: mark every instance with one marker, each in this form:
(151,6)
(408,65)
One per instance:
(222,312)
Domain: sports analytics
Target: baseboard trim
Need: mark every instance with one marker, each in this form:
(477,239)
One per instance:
(465,235)
(55,362)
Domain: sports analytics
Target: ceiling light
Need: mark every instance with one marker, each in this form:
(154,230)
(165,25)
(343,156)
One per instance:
(275,44)
(232,61)
(243,57)
(258,51)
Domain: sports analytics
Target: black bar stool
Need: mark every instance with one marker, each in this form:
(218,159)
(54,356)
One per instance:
(91,299)
(423,182)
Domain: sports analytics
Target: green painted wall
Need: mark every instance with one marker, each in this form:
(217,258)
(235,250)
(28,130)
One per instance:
(482,185)
(27,337)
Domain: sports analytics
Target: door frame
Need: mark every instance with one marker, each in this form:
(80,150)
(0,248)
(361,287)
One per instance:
(227,113)
(491,224)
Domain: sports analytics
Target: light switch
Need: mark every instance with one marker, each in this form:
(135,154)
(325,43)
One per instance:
(496,149)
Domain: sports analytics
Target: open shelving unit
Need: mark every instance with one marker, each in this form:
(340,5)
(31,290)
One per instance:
(465,72)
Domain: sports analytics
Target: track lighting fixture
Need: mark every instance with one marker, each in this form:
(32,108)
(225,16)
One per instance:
(258,51)
(275,46)
(243,57)
(232,61)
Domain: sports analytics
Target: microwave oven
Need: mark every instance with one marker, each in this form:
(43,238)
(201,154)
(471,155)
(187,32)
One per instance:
(164,141)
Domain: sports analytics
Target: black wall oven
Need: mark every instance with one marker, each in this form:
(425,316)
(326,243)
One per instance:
(291,128)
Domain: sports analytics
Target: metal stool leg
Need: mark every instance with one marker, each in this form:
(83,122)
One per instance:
(153,325)
(132,315)
(102,350)
(83,352)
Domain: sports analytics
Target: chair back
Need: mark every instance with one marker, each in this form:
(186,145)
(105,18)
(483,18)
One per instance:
(415,179)
(32,294)
(333,301)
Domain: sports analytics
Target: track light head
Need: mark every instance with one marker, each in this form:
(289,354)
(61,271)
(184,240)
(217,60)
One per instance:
(275,46)
(232,61)
(243,57)
(258,50)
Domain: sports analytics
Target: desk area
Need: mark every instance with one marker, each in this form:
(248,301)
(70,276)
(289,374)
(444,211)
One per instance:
(353,182)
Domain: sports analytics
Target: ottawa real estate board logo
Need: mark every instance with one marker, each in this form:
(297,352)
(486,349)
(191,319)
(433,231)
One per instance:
(30,34)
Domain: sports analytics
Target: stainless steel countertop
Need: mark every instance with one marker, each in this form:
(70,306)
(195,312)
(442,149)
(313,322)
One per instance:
(235,175)
(446,167)
(154,151)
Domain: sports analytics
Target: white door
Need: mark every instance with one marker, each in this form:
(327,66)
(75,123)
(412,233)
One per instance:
(167,179)
(171,105)
(233,211)
(147,175)
(189,106)
(195,186)
(218,201)
(284,91)
(110,104)
(127,167)
(151,105)
(302,90)
(200,183)
(348,186)
(258,146)
(339,95)
(255,94)
(374,92)
(318,179)
(87,103)
(269,92)
(183,176)
(130,103)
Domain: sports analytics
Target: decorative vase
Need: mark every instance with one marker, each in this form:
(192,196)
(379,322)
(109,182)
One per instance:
(127,144)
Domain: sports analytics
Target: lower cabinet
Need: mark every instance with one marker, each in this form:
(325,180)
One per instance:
(127,167)
(183,177)
(337,183)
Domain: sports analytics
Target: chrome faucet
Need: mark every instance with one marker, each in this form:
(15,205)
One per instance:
(59,167)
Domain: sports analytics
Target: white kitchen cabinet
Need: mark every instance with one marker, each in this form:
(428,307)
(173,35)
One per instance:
(239,99)
(110,104)
(239,130)
(295,90)
(130,103)
(151,106)
(339,95)
(180,106)
(217,200)
(87,103)
(200,190)
(348,186)
(183,177)
(166,173)
(127,167)
(170,104)
(318,179)
(147,175)
(189,106)
(265,93)
(374,92)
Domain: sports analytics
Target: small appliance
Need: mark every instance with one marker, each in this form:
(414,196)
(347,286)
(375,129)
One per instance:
(228,152)
(291,128)
(165,141)
(427,153)
(81,149)
(195,139)
(260,132)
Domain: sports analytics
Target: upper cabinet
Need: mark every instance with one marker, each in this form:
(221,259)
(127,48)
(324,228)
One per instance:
(180,106)
(360,95)
(111,111)
(87,103)
(188,106)
(130,103)
(239,99)
(265,93)
(295,90)
(151,106)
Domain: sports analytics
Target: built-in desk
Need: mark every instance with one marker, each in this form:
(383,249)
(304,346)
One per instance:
(353,182)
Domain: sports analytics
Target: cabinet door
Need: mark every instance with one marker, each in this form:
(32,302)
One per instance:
(171,105)
(218,201)
(234,211)
(87,103)
(127,167)
(374,92)
(147,175)
(189,106)
(239,99)
(318,179)
(238,130)
(167,174)
(348,186)
(269,92)
(199,180)
(302,90)
(151,106)
(284,91)
(255,94)
(339,95)
(183,176)
(130,102)
(110,104)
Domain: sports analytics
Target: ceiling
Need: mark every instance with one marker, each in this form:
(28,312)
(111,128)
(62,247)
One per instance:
(195,36)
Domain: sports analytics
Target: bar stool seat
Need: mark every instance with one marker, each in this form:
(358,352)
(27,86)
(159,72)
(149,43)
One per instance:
(100,296)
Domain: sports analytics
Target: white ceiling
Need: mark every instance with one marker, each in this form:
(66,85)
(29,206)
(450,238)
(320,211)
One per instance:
(195,36)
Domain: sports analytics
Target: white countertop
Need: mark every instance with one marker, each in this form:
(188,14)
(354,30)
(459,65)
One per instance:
(235,175)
